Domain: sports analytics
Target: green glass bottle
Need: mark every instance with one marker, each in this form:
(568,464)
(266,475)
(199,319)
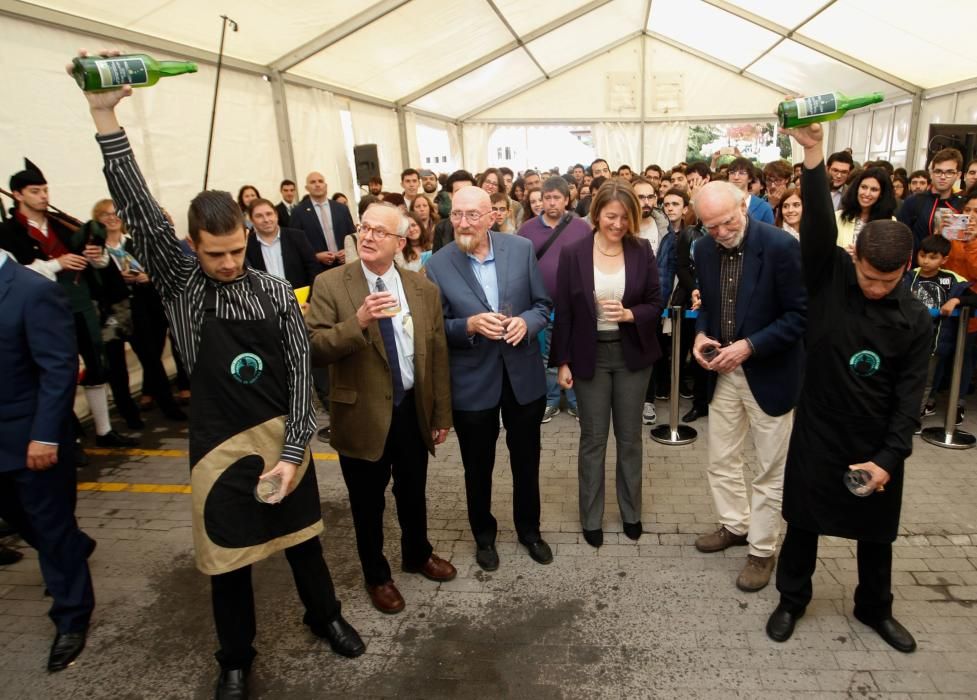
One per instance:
(821,108)
(137,69)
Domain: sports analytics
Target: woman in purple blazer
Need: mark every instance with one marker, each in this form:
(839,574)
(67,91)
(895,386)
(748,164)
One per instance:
(607,306)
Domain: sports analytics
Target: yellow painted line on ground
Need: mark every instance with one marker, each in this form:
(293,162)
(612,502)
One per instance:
(113,451)
(119,487)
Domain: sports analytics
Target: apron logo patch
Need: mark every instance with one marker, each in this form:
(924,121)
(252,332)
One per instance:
(246,367)
(864,363)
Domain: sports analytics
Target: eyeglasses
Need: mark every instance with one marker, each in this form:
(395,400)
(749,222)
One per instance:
(943,173)
(647,198)
(377,234)
(472,216)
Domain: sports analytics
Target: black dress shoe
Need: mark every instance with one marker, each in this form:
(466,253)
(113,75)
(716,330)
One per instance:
(343,639)
(595,538)
(633,530)
(781,623)
(487,558)
(114,439)
(66,648)
(323,434)
(9,556)
(894,634)
(232,685)
(539,551)
(693,414)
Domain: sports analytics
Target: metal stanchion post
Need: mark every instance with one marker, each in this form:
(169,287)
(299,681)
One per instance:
(949,435)
(673,433)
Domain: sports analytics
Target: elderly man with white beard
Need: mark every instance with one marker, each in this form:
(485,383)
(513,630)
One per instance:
(495,304)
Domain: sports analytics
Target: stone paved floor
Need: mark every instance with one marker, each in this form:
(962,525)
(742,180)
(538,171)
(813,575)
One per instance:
(654,619)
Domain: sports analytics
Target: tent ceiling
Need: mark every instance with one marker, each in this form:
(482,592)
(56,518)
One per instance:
(453,57)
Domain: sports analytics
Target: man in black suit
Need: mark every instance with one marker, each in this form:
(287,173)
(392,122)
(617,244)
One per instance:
(326,223)
(283,252)
(37,476)
(284,208)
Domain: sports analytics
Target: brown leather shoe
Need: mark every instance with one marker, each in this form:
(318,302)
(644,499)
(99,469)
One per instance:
(386,598)
(756,574)
(434,569)
(719,540)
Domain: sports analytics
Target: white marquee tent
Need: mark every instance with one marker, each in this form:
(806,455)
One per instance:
(303,81)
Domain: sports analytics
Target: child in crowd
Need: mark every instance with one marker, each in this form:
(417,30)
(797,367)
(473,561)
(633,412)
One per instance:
(939,289)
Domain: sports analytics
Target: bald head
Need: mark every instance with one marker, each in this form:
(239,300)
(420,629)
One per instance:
(471,231)
(315,185)
(469,198)
(721,207)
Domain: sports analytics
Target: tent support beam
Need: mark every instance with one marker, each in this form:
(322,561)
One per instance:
(791,34)
(337,34)
(913,140)
(538,81)
(644,80)
(283,125)
(515,35)
(502,51)
(402,130)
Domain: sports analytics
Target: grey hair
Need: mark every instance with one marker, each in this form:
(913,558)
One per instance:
(732,190)
(403,223)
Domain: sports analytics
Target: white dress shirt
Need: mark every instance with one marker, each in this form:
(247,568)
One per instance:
(403,324)
(271,253)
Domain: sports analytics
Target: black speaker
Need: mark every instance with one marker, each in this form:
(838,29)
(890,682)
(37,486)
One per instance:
(367,162)
(963,137)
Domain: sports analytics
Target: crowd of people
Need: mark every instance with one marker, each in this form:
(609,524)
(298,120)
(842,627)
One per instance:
(480,303)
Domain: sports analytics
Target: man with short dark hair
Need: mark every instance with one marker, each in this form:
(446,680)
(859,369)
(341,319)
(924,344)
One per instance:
(244,342)
(869,342)
(625,172)
(600,168)
(410,180)
(919,181)
(776,175)
(550,232)
(284,208)
(507,178)
(444,232)
(840,165)
(531,180)
(429,182)
(740,175)
(375,185)
(277,250)
(922,212)
(969,175)
(654,174)
(578,172)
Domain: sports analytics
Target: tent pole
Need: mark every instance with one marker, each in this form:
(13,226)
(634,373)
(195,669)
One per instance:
(911,155)
(644,81)
(404,148)
(283,125)
(225,20)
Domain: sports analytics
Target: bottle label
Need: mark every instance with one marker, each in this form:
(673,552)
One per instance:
(816,106)
(114,72)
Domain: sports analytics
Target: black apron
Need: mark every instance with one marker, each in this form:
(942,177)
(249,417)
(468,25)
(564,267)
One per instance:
(854,358)
(237,427)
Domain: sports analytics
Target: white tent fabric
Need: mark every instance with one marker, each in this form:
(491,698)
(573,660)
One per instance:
(466,66)
(618,142)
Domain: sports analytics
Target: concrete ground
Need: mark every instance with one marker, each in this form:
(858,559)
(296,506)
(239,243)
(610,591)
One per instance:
(653,619)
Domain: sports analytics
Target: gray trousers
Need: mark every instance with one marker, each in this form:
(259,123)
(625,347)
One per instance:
(614,391)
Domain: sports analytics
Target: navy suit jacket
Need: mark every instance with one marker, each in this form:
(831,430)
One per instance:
(575,328)
(771,310)
(306,218)
(40,364)
(477,363)
(299,261)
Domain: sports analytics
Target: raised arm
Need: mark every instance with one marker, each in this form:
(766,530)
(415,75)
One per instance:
(819,230)
(154,240)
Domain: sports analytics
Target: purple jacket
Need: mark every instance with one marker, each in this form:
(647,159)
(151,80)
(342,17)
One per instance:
(538,232)
(575,329)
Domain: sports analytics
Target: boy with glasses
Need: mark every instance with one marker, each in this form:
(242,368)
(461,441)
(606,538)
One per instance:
(919,212)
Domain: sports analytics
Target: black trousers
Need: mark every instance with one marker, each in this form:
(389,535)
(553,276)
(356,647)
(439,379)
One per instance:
(478,431)
(147,341)
(799,557)
(88,335)
(405,458)
(40,506)
(232,598)
(660,381)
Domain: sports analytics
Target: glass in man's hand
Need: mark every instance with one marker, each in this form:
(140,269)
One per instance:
(857,481)
(266,490)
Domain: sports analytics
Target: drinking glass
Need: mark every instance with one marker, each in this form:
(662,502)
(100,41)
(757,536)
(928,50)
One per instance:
(857,482)
(266,490)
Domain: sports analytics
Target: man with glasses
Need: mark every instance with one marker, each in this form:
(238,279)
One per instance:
(381,332)
(740,175)
(550,232)
(495,304)
(840,165)
(920,211)
(776,174)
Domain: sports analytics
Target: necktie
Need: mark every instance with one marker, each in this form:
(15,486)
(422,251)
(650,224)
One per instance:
(390,345)
(326,228)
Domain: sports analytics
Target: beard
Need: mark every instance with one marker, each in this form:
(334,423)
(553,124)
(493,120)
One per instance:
(465,241)
(645,212)
(733,240)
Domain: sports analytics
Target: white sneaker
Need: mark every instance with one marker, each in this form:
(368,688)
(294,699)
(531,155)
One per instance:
(648,415)
(550,413)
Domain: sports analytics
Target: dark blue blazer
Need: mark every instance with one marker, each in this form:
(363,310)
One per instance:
(40,364)
(575,328)
(477,363)
(299,261)
(771,310)
(305,218)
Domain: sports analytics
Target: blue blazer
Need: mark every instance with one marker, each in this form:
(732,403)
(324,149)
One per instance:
(575,328)
(477,363)
(305,218)
(771,310)
(40,364)
(760,210)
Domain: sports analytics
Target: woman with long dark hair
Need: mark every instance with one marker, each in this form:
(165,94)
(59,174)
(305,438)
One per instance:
(869,197)
(418,248)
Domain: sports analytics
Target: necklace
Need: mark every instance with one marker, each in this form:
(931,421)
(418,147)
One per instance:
(605,253)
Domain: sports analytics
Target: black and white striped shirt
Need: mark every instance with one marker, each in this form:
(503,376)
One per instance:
(181,283)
